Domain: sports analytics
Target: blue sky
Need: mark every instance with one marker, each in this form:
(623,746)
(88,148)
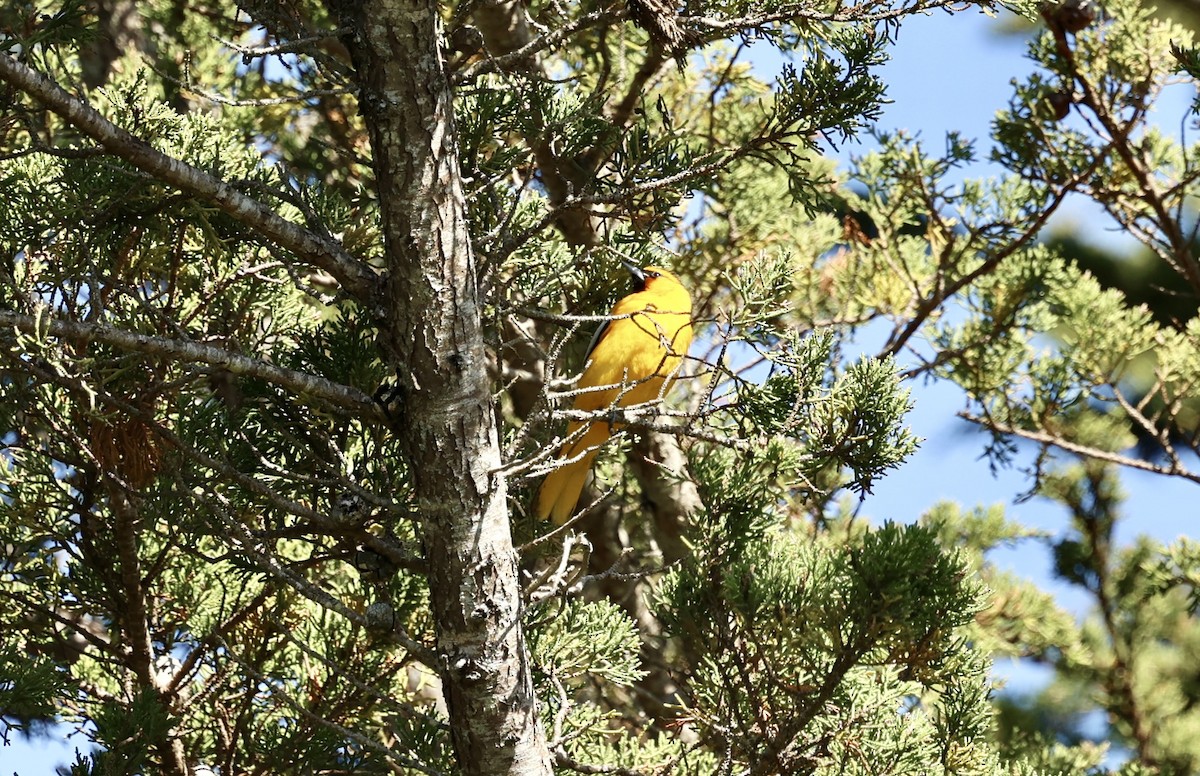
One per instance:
(947,73)
(953,74)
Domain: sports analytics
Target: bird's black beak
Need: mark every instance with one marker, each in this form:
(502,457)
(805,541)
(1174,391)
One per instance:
(636,271)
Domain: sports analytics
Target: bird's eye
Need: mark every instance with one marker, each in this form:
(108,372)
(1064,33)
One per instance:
(652,274)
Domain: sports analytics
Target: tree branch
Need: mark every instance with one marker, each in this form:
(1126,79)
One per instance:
(517,46)
(943,290)
(355,276)
(1179,255)
(1043,438)
(300,383)
(433,333)
(135,620)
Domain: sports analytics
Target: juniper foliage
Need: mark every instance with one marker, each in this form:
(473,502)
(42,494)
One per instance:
(218,541)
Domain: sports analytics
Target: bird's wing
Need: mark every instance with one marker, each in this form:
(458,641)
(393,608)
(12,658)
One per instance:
(624,309)
(599,335)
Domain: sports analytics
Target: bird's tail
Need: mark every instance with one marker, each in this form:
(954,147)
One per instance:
(560,490)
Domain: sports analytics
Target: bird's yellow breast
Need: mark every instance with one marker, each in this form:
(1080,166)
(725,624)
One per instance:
(639,352)
(631,359)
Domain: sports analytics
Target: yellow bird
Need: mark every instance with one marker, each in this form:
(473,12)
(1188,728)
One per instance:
(629,362)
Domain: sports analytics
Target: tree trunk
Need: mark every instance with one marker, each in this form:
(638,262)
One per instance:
(432,329)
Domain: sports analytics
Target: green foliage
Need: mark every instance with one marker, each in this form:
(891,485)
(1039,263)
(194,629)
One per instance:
(823,643)
(579,647)
(127,732)
(582,640)
(202,560)
(840,419)
(27,694)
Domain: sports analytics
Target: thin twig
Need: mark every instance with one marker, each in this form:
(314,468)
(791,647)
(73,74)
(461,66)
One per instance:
(275,688)
(1072,447)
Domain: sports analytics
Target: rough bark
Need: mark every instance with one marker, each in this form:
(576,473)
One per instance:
(433,330)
